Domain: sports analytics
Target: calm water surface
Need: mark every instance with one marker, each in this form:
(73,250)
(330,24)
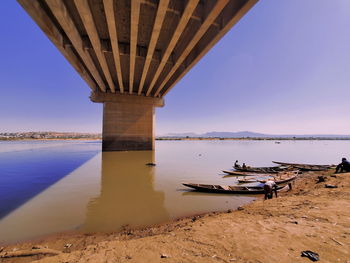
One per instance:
(52,186)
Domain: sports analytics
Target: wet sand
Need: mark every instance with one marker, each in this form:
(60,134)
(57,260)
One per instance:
(310,217)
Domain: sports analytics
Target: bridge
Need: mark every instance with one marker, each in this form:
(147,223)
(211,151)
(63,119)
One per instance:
(131,53)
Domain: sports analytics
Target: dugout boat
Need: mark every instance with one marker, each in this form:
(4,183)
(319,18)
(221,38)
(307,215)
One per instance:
(227,189)
(239,173)
(307,167)
(275,174)
(273,169)
(277,181)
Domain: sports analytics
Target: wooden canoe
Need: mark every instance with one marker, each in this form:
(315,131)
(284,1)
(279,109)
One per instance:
(278,181)
(279,174)
(247,181)
(227,189)
(239,173)
(292,164)
(283,180)
(273,169)
(307,167)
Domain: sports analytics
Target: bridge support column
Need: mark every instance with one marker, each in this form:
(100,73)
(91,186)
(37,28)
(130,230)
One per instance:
(128,121)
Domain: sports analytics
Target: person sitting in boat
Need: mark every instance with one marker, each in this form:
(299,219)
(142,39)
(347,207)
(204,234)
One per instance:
(236,164)
(244,166)
(270,186)
(343,167)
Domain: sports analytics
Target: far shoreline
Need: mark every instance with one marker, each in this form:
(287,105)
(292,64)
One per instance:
(190,139)
(51,139)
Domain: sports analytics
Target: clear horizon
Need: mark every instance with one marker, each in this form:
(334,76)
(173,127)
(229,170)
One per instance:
(271,74)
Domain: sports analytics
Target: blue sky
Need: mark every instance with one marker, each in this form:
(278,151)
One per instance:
(284,68)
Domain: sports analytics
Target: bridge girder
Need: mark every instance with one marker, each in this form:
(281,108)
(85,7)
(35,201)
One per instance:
(140,47)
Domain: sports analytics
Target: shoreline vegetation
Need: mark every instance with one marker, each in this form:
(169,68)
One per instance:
(13,136)
(309,217)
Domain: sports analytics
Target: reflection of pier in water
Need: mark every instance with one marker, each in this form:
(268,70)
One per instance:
(127,193)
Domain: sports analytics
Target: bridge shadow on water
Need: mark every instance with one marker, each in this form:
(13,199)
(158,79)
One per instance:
(25,174)
(127,196)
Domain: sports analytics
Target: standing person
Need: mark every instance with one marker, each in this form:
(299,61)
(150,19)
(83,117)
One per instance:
(343,167)
(270,186)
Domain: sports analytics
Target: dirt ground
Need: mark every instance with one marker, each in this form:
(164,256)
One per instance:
(310,217)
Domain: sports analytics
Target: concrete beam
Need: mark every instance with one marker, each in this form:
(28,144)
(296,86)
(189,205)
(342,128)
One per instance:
(89,24)
(135,15)
(162,7)
(231,21)
(39,15)
(101,97)
(59,10)
(186,16)
(213,14)
(124,50)
(112,29)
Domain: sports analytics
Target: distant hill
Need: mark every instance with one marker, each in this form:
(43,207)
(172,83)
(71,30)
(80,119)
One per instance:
(241,134)
(248,134)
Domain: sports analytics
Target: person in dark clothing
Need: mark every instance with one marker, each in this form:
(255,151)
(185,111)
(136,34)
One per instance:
(237,165)
(343,167)
(270,187)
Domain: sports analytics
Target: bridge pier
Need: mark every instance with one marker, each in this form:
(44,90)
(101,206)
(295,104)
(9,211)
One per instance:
(128,121)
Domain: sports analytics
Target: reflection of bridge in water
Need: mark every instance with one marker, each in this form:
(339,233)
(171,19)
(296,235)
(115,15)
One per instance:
(127,193)
(132,52)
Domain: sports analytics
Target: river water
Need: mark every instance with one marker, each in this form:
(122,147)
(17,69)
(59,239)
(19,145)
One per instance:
(53,186)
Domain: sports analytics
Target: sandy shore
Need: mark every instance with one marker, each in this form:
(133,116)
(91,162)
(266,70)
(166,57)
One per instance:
(310,217)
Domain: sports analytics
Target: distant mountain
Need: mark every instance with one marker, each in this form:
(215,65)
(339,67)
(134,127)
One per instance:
(245,134)
(241,134)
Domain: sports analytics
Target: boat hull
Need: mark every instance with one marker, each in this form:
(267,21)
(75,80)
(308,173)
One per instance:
(306,167)
(278,182)
(274,169)
(238,173)
(227,189)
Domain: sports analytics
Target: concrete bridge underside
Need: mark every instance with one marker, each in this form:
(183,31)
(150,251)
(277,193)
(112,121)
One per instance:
(132,52)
